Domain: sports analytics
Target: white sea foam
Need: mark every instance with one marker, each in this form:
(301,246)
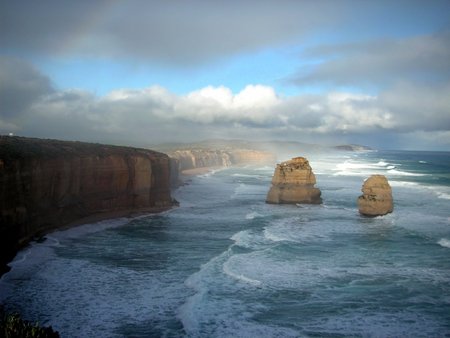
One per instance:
(444,242)
(273,237)
(248,176)
(405,184)
(228,270)
(381,163)
(54,241)
(20,257)
(444,196)
(266,168)
(90,228)
(396,172)
(253,215)
(244,238)
(354,168)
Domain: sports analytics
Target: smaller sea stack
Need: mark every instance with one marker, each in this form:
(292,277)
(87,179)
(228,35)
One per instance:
(293,182)
(376,199)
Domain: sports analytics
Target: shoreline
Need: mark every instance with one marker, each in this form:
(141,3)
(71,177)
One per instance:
(200,171)
(91,219)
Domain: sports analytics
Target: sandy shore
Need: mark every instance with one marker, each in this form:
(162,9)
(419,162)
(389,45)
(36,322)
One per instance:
(199,171)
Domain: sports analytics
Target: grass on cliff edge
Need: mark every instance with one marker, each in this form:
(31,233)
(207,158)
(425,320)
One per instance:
(15,147)
(12,326)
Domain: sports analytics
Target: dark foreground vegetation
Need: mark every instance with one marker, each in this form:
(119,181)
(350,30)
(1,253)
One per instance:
(12,326)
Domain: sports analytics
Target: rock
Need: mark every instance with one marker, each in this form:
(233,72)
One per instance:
(376,199)
(202,158)
(48,184)
(293,182)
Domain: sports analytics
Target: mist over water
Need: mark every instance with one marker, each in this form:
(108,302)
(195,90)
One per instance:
(225,264)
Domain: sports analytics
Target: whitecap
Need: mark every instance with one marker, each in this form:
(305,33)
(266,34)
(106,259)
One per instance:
(444,196)
(252,215)
(20,258)
(403,173)
(403,184)
(423,162)
(248,176)
(54,241)
(272,237)
(85,229)
(444,242)
(228,270)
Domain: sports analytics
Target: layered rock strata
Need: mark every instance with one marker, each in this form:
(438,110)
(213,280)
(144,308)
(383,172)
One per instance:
(376,199)
(201,158)
(47,184)
(293,182)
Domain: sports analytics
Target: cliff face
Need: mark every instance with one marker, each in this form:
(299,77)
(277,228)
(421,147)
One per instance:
(47,184)
(376,199)
(199,158)
(293,182)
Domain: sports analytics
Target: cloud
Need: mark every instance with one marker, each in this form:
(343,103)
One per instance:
(419,59)
(177,32)
(156,115)
(20,86)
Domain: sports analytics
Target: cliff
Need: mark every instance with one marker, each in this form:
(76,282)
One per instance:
(293,182)
(47,184)
(200,158)
(376,199)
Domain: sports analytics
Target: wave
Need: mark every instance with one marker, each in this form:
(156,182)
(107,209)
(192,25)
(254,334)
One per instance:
(354,168)
(228,270)
(442,192)
(444,242)
(20,258)
(253,215)
(396,172)
(273,237)
(444,196)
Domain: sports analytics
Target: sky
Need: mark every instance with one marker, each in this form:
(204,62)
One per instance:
(144,72)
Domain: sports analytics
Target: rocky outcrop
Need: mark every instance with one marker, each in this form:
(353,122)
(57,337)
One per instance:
(201,158)
(293,182)
(47,184)
(376,199)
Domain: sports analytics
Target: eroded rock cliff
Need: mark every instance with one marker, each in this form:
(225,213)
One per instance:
(376,199)
(293,182)
(200,158)
(47,184)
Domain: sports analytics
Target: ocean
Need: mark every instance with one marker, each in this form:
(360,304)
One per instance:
(226,264)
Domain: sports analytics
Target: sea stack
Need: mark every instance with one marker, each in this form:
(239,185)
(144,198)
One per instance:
(293,182)
(376,199)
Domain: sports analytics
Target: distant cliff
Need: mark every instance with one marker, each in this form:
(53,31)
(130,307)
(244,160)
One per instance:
(199,158)
(47,184)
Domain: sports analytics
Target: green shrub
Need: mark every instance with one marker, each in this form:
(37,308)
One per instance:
(12,326)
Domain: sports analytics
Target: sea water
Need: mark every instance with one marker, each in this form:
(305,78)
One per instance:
(226,264)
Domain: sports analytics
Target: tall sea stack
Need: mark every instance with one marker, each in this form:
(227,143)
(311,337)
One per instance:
(293,182)
(376,199)
(48,184)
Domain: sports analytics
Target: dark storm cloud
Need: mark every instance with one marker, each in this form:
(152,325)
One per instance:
(169,31)
(20,86)
(422,59)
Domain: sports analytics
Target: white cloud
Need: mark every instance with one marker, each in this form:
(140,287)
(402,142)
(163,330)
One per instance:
(156,115)
(151,113)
